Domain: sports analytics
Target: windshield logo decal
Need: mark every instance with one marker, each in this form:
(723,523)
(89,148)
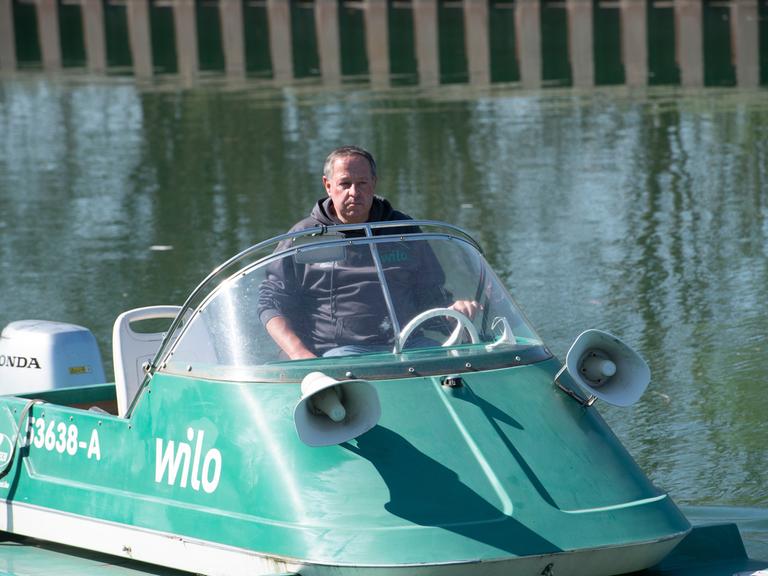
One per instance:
(172,462)
(393,256)
(18,362)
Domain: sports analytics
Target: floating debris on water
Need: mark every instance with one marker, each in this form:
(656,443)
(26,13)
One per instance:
(161,247)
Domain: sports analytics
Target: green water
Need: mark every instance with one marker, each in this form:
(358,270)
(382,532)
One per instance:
(640,211)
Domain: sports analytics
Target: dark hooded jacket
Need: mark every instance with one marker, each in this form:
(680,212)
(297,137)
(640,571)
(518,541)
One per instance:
(337,303)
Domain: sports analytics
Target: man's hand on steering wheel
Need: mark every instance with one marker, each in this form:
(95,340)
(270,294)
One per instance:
(467,307)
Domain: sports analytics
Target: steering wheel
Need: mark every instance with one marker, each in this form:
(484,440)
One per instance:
(419,319)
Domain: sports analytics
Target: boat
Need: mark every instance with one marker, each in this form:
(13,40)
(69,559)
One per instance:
(452,445)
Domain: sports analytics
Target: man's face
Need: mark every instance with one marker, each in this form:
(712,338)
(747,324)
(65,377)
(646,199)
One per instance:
(351,188)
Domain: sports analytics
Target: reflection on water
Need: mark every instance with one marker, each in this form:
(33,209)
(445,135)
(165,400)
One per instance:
(641,210)
(532,42)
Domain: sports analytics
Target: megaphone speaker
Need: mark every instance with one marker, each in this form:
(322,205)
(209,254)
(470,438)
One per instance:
(333,411)
(607,368)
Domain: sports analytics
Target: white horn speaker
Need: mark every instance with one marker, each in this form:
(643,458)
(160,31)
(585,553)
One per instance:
(607,368)
(333,411)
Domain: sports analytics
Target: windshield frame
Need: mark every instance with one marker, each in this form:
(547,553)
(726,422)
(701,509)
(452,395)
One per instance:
(270,250)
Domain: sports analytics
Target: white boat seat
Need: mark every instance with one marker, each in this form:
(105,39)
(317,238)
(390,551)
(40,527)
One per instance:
(131,350)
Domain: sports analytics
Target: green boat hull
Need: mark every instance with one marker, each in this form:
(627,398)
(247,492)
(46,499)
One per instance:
(502,471)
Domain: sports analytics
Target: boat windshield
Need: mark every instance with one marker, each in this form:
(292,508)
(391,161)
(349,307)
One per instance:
(387,302)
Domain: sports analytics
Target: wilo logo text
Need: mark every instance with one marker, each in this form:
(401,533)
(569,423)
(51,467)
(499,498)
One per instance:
(172,461)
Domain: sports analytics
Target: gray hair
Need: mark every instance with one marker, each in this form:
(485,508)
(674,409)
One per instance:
(343,152)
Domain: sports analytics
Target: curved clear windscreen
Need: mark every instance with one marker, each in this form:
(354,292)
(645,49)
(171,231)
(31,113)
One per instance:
(376,299)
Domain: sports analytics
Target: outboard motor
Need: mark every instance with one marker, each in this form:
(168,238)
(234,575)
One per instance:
(39,355)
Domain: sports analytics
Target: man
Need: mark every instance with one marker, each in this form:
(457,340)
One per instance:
(310,310)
